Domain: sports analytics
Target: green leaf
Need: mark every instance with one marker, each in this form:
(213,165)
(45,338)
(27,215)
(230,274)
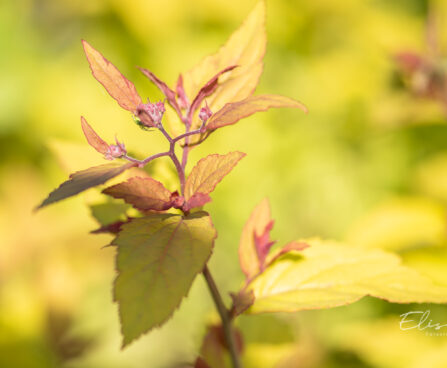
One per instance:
(85,179)
(328,274)
(109,212)
(158,258)
(231,113)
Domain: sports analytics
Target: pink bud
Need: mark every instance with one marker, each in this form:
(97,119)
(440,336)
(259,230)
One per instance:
(151,114)
(115,150)
(205,113)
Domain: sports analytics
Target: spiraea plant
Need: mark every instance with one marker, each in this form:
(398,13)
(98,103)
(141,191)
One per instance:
(160,251)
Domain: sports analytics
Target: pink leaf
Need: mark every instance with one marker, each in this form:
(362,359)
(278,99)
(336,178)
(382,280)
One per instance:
(231,113)
(263,243)
(118,86)
(183,100)
(292,246)
(197,200)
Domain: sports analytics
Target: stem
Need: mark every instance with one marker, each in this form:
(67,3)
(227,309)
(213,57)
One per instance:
(224,316)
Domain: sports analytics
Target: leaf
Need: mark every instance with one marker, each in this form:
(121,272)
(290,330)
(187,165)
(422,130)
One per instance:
(209,171)
(231,113)
(142,193)
(197,200)
(292,246)
(248,255)
(263,243)
(118,86)
(163,87)
(245,48)
(158,258)
(208,89)
(93,139)
(109,212)
(85,179)
(241,301)
(328,274)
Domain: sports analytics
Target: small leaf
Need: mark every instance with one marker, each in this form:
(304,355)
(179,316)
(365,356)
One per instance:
(93,139)
(241,301)
(120,88)
(158,258)
(163,87)
(85,179)
(231,113)
(328,274)
(142,193)
(113,228)
(209,171)
(256,224)
(263,243)
(197,200)
(292,246)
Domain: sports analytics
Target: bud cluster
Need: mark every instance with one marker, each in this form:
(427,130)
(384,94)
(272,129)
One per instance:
(151,114)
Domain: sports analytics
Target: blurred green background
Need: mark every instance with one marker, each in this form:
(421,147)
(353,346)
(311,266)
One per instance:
(367,166)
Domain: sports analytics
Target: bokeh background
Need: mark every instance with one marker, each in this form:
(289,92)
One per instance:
(367,166)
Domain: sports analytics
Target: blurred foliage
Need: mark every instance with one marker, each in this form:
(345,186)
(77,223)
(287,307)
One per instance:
(367,166)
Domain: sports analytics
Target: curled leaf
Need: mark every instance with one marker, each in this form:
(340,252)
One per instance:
(85,179)
(143,193)
(118,86)
(197,200)
(231,113)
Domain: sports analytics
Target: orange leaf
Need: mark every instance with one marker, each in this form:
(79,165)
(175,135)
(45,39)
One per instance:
(85,179)
(233,112)
(209,171)
(118,86)
(142,193)
(93,139)
(256,224)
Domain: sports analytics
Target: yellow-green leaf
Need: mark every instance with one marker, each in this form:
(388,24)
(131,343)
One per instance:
(118,86)
(328,274)
(85,179)
(245,48)
(231,113)
(158,258)
(209,171)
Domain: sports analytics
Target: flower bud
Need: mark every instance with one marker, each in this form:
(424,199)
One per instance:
(115,150)
(205,113)
(151,114)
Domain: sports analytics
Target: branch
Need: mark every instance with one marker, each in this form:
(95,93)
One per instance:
(224,316)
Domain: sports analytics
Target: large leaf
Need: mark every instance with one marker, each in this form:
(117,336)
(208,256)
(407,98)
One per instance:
(245,48)
(118,86)
(157,261)
(142,193)
(231,113)
(85,179)
(328,274)
(209,171)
